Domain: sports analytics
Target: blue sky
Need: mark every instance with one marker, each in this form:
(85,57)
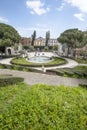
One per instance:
(44,15)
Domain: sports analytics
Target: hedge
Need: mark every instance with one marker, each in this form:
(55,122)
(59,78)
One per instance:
(8,80)
(68,73)
(17,67)
(8,56)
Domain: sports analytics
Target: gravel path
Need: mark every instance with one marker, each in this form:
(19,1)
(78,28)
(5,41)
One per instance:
(34,78)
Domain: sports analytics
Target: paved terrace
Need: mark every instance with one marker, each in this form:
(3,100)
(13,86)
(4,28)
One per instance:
(35,78)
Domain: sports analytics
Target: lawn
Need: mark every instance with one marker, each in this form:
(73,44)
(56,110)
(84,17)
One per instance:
(23,61)
(42,107)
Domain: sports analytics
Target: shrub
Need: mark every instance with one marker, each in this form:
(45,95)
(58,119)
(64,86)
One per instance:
(9,56)
(18,67)
(8,80)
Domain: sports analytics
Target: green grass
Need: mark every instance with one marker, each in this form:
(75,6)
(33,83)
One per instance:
(42,107)
(82,61)
(22,61)
(80,68)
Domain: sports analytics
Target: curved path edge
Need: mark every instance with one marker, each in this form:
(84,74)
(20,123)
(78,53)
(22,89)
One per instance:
(70,64)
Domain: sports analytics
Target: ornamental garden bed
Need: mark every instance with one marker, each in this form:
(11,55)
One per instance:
(23,62)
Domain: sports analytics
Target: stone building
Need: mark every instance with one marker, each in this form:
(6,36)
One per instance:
(39,41)
(52,42)
(25,41)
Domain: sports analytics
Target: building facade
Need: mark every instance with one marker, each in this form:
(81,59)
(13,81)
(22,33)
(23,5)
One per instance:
(42,42)
(52,42)
(39,41)
(25,41)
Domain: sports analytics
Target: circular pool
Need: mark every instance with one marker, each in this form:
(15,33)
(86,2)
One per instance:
(39,59)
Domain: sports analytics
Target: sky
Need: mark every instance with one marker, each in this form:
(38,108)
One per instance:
(55,16)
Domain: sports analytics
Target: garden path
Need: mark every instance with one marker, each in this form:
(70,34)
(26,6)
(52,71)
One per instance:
(35,78)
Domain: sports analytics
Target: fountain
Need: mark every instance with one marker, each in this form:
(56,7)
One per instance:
(39,57)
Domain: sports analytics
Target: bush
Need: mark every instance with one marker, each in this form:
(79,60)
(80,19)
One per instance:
(9,56)
(8,80)
(77,72)
(57,72)
(18,67)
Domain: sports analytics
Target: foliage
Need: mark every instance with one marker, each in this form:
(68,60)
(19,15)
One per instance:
(9,56)
(76,72)
(8,35)
(73,37)
(43,107)
(47,37)
(82,61)
(55,47)
(18,67)
(33,37)
(9,80)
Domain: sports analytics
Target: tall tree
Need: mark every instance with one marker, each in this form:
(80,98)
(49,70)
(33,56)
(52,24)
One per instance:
(33,37)
(47,37)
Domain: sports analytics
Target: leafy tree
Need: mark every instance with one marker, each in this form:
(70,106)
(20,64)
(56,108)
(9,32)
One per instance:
(33,37)
(55,47)
(47,37)
(8,35)
(85,38)
(73,37)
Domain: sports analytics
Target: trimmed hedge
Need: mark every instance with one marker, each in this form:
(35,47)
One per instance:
(8,80)
(68,73)
(8,56)
(20,68)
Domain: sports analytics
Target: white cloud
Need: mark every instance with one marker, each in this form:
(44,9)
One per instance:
(61,7)
(2,19)
(80,4)
(82,7)
(31,12)
(37,7)
(80,16)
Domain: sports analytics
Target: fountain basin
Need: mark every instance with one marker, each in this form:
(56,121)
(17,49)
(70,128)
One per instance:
(39,59)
